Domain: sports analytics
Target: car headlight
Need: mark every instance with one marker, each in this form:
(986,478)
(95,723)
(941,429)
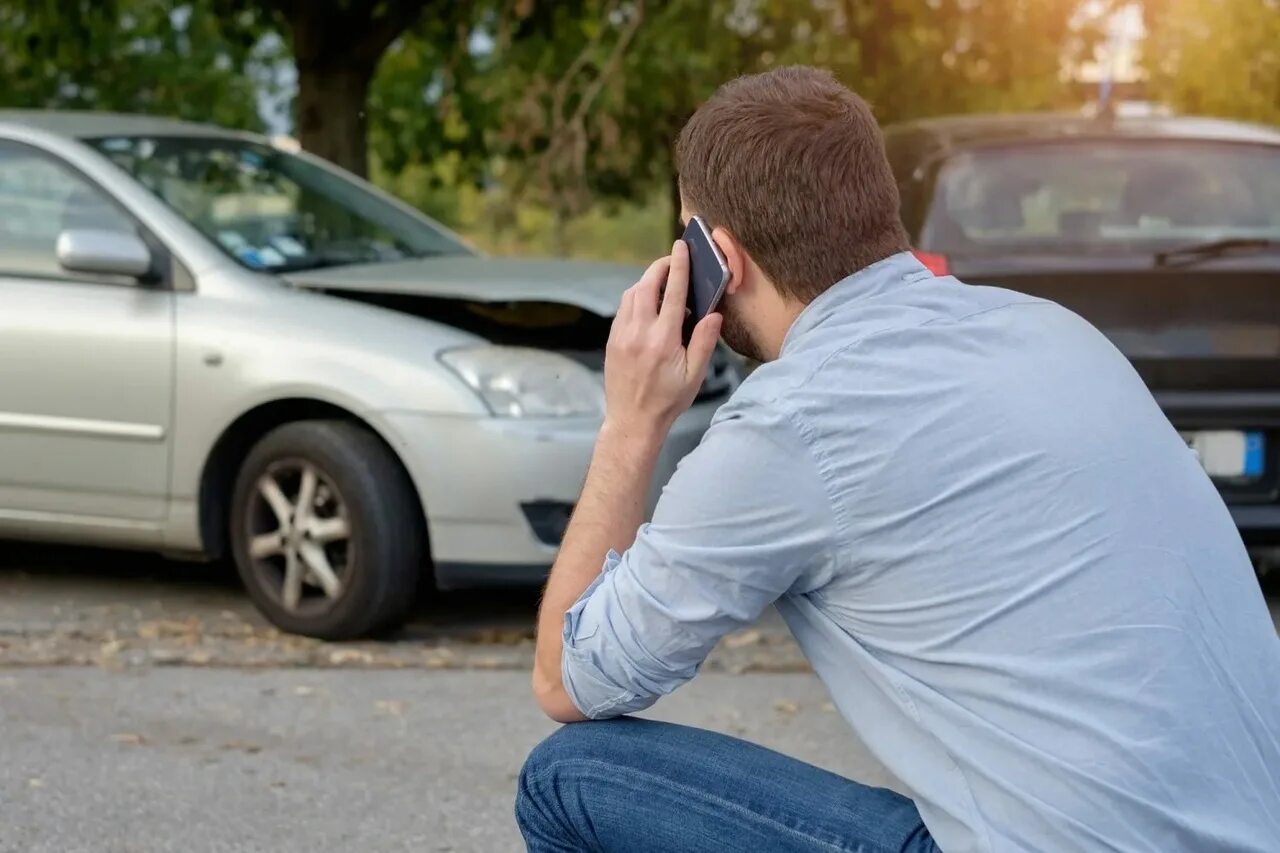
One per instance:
(518,382)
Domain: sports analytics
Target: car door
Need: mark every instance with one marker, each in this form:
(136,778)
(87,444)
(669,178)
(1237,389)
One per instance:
(86,361)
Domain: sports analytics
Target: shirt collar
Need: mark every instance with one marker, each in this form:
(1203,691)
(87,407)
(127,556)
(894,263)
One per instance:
(885,275)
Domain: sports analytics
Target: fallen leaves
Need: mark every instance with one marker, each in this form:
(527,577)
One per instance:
(742,639)
(177,632)
(241,746)
(501,636)
(190,629)
(347,656)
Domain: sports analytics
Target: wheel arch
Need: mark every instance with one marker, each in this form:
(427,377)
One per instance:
(222,465)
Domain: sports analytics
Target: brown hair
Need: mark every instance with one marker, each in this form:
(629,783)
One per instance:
(792,164)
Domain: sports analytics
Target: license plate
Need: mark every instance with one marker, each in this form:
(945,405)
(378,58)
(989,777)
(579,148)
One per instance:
(1229,452)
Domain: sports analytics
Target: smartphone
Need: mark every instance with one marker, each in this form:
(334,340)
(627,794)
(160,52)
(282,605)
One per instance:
(708,274)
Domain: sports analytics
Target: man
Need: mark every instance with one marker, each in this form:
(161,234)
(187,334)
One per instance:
(1012,575)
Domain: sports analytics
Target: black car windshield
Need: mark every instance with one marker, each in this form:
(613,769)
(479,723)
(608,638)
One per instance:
(272,210)
(1090,196)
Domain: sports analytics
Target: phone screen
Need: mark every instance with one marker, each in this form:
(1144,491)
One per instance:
(708,273)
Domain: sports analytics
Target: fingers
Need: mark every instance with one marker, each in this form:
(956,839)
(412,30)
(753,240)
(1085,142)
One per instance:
(645,302)
(625,306)
(702,344)
(675,298)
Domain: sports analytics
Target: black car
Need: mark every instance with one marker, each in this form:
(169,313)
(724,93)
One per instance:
(1163,232)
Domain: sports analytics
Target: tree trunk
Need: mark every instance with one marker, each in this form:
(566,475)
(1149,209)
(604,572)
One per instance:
(331,112)
(337,47)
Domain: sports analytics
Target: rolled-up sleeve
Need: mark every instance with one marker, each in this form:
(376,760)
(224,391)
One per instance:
(743,518)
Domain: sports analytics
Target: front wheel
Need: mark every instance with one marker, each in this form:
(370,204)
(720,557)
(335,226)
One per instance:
(326,531)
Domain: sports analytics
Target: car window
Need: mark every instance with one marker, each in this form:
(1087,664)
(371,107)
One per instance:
(40,198)
(271,210)
(1102,196)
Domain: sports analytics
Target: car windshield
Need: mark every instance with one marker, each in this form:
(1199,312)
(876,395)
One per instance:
(271,210)
(1103,197)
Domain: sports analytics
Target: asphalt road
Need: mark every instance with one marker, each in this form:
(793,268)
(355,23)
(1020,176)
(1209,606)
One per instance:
(144,706)
(192,760)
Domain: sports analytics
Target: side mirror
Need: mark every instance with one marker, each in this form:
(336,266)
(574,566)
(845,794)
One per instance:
(102,252)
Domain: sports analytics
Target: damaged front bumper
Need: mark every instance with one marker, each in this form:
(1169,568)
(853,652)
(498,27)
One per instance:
(497,491)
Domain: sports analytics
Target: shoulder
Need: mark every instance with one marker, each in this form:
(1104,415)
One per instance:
(756,411)
(912,336)
(765,399)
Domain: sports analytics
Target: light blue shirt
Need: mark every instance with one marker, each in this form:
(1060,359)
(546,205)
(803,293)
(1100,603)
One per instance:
(1014,578)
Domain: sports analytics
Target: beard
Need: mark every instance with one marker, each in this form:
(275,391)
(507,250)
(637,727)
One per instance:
(738,335)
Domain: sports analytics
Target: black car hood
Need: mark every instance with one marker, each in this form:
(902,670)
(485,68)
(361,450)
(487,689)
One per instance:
(1213,325)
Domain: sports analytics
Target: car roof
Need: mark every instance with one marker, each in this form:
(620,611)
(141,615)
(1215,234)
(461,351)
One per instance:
(965,130)
(86,125)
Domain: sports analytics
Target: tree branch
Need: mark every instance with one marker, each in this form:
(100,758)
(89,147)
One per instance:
(398,16)
(561,92)
(611,64)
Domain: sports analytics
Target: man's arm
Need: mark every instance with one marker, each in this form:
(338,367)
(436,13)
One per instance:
(745,519)
(608,512)
(650,379)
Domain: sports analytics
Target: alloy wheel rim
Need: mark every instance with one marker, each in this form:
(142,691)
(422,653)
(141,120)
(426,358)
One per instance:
(299,536)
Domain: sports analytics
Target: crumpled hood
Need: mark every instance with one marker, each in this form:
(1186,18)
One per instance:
(595,287)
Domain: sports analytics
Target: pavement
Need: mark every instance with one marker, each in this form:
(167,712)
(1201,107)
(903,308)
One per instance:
(145,706)
(186,759)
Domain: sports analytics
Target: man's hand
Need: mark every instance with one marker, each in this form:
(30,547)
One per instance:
(649,376)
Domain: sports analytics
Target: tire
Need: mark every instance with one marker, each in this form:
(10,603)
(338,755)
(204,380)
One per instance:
(357,486)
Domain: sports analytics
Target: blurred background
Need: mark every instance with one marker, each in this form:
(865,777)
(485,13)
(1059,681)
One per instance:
(546,128)
(147,705)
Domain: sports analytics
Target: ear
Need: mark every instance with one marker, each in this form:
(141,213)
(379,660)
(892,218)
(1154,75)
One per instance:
(734,256)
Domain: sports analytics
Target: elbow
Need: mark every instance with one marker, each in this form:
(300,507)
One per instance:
(554,700)
(561,709)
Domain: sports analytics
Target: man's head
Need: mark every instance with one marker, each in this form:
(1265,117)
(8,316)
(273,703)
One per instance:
(788,169)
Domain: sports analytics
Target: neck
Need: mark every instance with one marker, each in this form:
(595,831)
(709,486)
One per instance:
(776,325)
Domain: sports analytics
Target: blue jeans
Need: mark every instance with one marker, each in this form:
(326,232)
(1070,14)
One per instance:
(639,785)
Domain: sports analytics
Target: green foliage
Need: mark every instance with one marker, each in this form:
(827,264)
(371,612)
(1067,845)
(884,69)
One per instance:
(579,102)
(145,56)
(422,103)
(573,107)
(496,220)
(542,125)
(1215,58)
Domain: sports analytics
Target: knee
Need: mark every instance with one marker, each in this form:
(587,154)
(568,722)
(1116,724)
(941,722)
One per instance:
(549,803)
(572,742)
(569,755)
(571,781)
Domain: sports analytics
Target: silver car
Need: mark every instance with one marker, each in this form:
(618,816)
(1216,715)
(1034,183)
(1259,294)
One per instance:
(212,345)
